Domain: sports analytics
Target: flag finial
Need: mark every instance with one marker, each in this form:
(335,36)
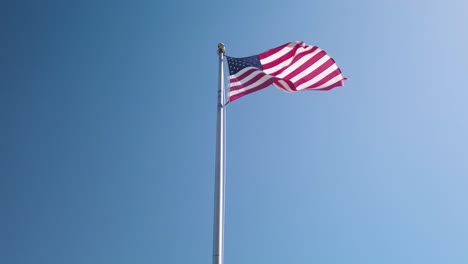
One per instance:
(221,48)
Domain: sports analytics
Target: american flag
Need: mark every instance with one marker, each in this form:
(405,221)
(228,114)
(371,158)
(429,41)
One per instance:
(292,67)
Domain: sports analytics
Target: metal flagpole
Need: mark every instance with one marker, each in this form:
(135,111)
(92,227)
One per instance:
(218,223)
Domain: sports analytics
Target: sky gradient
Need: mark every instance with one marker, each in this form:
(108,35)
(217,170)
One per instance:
(108,118)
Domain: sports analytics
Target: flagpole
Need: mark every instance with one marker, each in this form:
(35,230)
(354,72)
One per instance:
(218,223)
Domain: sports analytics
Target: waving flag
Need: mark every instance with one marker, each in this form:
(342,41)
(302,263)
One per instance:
(292,67)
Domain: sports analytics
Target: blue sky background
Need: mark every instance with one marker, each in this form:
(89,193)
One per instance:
(107,138)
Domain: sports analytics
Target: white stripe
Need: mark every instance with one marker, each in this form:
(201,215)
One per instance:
(239,73)
(280,53)
(285,85)
(284,63)
(298,64)
(246,79)
(310,69)
(278,66)
(333,80)
(318,77)
(253,85)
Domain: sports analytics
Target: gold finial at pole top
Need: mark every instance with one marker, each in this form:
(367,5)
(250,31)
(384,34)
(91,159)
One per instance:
(221,48)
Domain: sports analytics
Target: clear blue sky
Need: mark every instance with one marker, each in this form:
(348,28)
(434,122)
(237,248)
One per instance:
(107,138)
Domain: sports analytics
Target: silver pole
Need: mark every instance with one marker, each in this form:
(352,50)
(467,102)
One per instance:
(218,223)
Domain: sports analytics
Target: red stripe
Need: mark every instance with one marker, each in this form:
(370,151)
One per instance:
(249,82)
(264,85)
(296,56)
(327,78)
(293,53)
(306,65)
(304,53)
(281,59)
(315,72)
(272,51)
(338,83)
(280,85)
(242,76)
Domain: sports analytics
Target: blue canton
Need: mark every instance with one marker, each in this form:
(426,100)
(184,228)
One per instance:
(237,64)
